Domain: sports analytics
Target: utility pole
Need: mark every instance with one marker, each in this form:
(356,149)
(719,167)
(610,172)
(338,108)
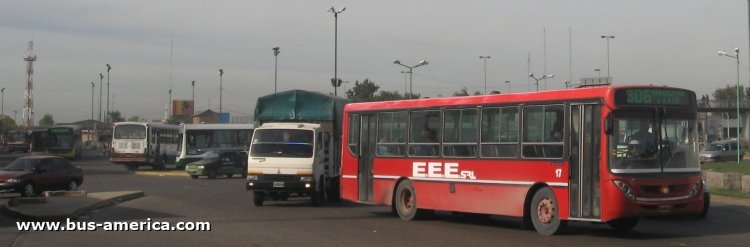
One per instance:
(28,110)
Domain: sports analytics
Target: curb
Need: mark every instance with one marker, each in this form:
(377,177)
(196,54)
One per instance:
(9,209)
(162,173)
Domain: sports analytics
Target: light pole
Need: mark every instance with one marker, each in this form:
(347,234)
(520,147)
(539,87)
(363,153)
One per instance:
(2,102)
(737,57)
(106,116)
(336,82)
(420,63)
(169,107)
(508,82)
(485,71)
(92,101)
(608,38)
(275,67)
(540,78)
(406,81)
(193,84)
(598,71)
(101,78)
(15,115)
(221,82)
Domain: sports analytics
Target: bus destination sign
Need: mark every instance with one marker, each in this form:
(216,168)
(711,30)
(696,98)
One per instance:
(654,96)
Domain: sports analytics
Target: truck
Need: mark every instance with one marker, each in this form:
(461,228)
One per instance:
(296,147)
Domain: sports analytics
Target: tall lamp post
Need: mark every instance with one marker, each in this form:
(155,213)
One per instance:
(608,38)
(508,82)
(406,81)
(169,105)
(737,57)
(485,71)
(101,78)
(540,78)
(275,67)
(92,101)
(420,63)
(193,84)
(106,116)
(221,76)
(2,102)
(336,82)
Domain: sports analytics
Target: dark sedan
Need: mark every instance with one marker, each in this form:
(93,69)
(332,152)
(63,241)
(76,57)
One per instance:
(32,175)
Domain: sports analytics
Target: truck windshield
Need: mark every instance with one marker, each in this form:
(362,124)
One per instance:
(290,143)
(653,140)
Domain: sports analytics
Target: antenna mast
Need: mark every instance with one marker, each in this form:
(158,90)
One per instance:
(28,109)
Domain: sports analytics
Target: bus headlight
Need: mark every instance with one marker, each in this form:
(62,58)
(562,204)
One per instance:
(625,189)
(305,179)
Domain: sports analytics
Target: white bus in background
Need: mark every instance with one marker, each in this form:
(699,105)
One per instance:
(197,139)
(136,144)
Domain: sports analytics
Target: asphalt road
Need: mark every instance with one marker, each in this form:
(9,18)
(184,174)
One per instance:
(235,221)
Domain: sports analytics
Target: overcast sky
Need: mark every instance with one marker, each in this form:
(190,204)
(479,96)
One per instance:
(665,42)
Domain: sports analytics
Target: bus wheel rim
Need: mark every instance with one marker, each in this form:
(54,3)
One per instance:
(545,211)
(407,199)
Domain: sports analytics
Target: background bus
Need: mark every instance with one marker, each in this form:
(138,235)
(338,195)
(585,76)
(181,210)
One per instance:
(18,140)
(545,157)
(135,144)
(197,139)
(64,140)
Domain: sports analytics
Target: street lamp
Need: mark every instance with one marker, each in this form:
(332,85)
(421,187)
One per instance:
(169,105)
(540,78)
(106,116)
(508,82)
(2,102)
(737,57)
(193,84)
(221,82)
(608,38)
(420,63)
(336,82)
(101,78)
(92,100)
(275,66)
(485,71)
(406,81)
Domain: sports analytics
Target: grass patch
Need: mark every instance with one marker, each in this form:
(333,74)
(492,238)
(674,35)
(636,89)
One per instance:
(727,167)
(730,193)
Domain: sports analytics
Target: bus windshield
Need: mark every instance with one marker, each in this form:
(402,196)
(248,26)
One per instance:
(653,140)
(130,132)
(290,143)
(60,138)
(200,141)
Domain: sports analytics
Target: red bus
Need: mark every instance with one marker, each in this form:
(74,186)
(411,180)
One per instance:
(610,154)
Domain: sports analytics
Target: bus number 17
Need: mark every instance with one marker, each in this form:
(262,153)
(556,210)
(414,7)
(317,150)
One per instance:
(558,173)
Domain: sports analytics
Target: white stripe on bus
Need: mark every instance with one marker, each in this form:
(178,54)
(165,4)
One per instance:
(503,182)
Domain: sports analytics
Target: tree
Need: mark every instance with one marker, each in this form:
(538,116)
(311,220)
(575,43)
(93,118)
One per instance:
(363,92)
(388,95)
(463,92)
(115,116)
(134,119)
(46,121)
(729,93)
(7,123)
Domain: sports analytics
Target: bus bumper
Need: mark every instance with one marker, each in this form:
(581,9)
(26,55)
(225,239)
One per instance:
(280,183)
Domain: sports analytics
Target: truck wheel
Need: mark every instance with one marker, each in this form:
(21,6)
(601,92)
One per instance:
(406,202)
(544,210)
(258,198)
(318,197)
(193,176)
(229,175)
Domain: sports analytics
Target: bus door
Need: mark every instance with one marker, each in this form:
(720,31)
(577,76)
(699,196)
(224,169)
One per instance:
(584,146)
(367,139)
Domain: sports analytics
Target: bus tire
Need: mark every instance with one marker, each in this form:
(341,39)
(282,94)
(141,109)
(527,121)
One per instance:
(258,198)
(624,224)
(544,210)
(131,167)
(406,202)
(193,176)
(318,196)
(706,205)
(229,175)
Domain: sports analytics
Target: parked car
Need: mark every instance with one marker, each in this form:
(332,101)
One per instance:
(34,174)
(216,163)
(721,150)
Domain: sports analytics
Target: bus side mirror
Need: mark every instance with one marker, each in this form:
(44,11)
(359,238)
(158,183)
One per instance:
(608,124)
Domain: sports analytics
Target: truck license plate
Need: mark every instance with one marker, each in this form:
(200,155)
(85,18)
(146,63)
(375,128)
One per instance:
(278,184)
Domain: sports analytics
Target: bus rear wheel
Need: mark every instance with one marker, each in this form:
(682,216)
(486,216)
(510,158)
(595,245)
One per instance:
(406,202)
(545,215)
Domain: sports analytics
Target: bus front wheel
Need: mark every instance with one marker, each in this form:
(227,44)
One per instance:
(545,215)
(131,167)
(258,198)
(624,224)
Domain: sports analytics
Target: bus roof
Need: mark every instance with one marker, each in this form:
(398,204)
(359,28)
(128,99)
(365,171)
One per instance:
(158,125)
(218,126)
(571,94)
